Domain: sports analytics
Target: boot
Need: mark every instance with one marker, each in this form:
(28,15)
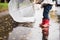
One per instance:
(45,23)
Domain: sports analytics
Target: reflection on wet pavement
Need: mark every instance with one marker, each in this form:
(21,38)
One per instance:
(20,33)
(9,29)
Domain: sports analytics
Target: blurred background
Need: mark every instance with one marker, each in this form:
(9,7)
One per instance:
(7,23)
(4,5)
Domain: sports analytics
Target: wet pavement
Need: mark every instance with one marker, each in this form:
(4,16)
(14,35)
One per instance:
(6,25)
(11,30)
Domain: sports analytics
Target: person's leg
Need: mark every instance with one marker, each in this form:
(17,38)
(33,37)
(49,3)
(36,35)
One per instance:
(46,11)
(45,22)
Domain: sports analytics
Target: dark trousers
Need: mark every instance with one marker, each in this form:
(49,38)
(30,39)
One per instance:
(47,8)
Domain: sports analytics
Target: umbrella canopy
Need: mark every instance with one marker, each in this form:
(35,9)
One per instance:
(21,10)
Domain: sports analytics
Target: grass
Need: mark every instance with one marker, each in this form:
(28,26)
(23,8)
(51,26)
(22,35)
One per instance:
(3,6)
